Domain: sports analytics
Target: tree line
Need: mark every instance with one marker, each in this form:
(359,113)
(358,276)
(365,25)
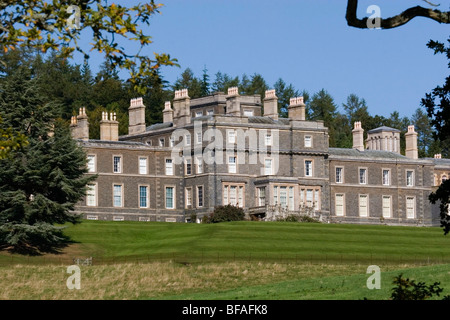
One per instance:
(74,86)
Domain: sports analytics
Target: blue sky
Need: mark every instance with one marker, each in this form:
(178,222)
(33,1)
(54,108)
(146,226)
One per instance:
(306,43)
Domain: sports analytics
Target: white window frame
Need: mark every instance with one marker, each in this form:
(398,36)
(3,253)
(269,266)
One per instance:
(201,203)
(337,205)
(268,140)
(117,168)
(199,165)
(92,163)
(383,181)
(365,175)
(409,208)
(227,194)
(188,197)
(199,137)
(386,210)
(261,196)
(268,171)
(187,140)
(145,167)
(341,175)
(198,114)
(188,166)
(232,166)
(115,195)
(91,195)
(311,173)
(231,136)
(147,196)
(310,143)
(173,197)
(360,212)
(410,183)
(168,161)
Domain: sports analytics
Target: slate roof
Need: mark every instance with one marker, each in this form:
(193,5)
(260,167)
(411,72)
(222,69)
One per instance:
(383,128)
(157,126)
(372,154)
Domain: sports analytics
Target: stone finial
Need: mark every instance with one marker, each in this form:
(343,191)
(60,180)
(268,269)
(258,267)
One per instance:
(270,94)
(183,93)
(296,101)
(167,106)
(438,156)
(136,102)
(233,91)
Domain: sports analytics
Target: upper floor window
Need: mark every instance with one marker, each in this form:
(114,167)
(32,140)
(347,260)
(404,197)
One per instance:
(187,140)
(117,164)
(169,167)
(142,165)
(339,175)
(232,164)
(267,166)
(200,196)
(91,195)
(268,140)
(188,166)
(91,163)
(231,136)
(308,168)
(161,142)
(386,177)
(363,176)
(199,137)
(308,141)
(199,113)
(409,178)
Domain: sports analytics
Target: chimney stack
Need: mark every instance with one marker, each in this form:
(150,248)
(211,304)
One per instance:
(136,113)
(271,105)
(411,150)
(296,109)
(79,125)
(181,108)
(167,112)
(233,102)
(109,128)
(438,156)
(358,136)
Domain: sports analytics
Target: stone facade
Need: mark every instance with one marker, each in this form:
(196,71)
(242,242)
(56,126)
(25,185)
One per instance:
(220,150)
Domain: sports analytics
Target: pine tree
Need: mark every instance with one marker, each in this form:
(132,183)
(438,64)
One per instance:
(42,181)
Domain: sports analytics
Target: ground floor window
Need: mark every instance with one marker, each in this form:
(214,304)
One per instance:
(410,207)
(233,194)
(387,206)
(310,197)
(170,203)
(363,205)
(340,204)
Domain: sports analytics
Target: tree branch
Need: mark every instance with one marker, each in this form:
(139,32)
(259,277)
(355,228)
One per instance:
(395,21)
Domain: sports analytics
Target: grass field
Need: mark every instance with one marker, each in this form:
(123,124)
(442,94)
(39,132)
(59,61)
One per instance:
(239,260)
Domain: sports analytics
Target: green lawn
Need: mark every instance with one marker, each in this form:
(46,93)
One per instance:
(266,241)
(239,260)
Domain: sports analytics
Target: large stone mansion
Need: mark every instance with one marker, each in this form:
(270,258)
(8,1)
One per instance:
(233,149)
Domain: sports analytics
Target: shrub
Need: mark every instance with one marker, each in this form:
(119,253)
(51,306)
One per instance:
(298,218)
(224,214)
(410,290)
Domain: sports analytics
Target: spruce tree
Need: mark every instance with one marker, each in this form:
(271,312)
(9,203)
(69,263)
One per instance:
(42,181)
